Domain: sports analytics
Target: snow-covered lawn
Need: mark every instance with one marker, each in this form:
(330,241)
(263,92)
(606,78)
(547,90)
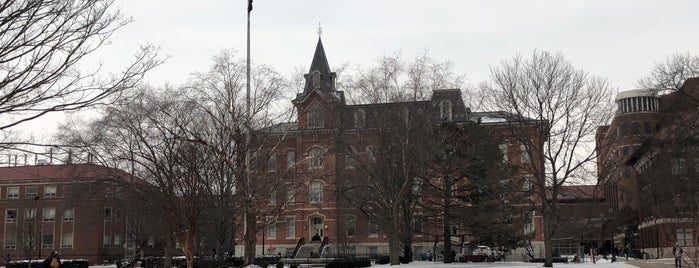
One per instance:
(426,264)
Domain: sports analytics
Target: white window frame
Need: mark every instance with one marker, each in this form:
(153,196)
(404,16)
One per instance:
(315,158)
(33,193)
(67,241)
(290,227)
(272,231)
(12,192)
(7,215)
(315,192)
(69,215)
(50,191)
(49,214)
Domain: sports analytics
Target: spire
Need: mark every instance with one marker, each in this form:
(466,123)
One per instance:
(320,62)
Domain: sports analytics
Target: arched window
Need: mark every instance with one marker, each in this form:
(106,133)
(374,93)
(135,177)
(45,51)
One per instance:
(316,79)
(315,156)
(315,117)
(635,128)
(315,192)
(290,159)
(445,110)
(350,221)
(359,119)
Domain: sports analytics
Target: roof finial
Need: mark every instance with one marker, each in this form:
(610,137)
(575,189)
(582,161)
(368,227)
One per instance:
(320,30)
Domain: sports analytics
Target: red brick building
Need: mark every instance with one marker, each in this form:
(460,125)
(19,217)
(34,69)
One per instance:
(309,148)
(60,207)
(648,148)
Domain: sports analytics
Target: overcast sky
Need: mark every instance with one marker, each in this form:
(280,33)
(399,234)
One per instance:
(619,39)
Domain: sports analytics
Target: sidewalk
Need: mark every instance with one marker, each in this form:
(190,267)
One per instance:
(654,263)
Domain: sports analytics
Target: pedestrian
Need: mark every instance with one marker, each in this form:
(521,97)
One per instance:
(677,252)
(53,260)
(7,259)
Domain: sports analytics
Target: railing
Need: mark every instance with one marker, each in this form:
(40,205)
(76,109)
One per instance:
(322,245)
(298,247)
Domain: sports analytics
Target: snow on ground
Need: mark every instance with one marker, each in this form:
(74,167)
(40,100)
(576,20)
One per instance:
(426,264)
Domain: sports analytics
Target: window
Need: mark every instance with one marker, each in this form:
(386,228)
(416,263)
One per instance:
(117,240)
(290,159)
(11,215)
(272,162)
(10,241)
(31,191)
(679,166)
(524,153)
(316,156)
(272,230)
(417,226)
(273,198)
(359,119)
(50,191)
(635,128)
(106,242)
(350,162)
(350,221)
(49,214)
(445,110)
(68,215)
(624,129)
(290,227)
(316,79)
(107,214)
(316,192)
(12,192)
(503,151)
(529,225)
(291,194)
(151,242)
(47,241)
(373,230)
(684,237)
(67,241)
(315,117)
(29,214)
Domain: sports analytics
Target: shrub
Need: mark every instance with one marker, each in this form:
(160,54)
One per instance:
(294,265)
(349,263)
(383,260)
(404,259)
(235,261)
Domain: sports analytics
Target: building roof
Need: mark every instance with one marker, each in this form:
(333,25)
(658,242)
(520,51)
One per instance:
(320,61)
(57,172)
(578,193)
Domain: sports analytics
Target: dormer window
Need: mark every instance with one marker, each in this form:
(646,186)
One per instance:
(359,119)
(316,79)
(445,110)
(315,117)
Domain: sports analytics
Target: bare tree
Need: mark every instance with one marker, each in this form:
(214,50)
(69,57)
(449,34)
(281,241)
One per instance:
(394,79)
(554,110)
(41,44)
(671,74)
(221,98)
(382,182)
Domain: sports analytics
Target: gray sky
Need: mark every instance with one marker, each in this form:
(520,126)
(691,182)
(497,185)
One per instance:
(617,39)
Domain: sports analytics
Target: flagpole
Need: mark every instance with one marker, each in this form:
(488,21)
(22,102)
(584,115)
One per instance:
(247,134)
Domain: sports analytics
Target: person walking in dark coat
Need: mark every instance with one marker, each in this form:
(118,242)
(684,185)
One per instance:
(53,260)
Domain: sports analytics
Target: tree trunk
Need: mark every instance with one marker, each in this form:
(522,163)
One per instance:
(250,236)
(393,247)
(188,248)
